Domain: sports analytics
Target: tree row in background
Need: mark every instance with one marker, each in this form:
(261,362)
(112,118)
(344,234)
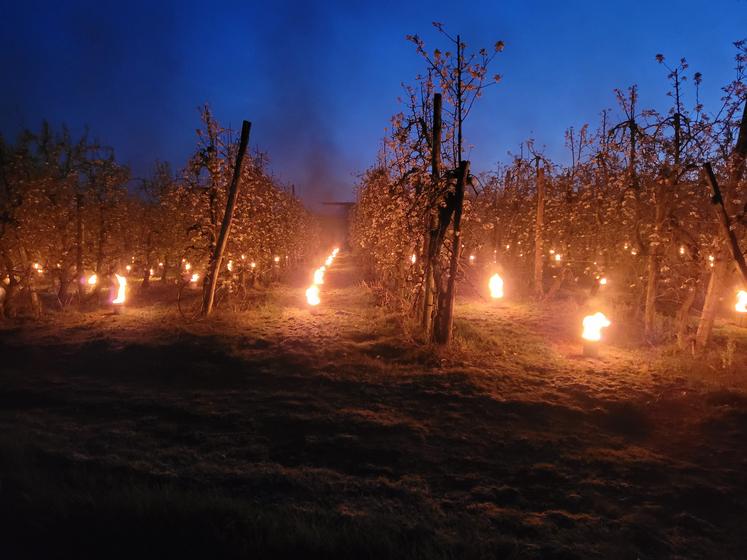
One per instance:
(69,210)
(632,203)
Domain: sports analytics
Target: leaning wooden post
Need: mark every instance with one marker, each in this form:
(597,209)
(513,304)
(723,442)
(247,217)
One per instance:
(730,238)
(539,226)
(719,272)
(428,282)
(220,246)
(446,324)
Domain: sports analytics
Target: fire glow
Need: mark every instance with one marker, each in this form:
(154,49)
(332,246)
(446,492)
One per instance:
(496,286)
(121,288)
(741,306)
(92,279)
(593,325)
(312,292)
(312,295)
(319,275)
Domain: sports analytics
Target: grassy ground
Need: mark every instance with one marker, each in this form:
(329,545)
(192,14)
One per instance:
(282,432)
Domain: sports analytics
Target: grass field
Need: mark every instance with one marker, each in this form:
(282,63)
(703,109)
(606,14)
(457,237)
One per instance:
(282,432)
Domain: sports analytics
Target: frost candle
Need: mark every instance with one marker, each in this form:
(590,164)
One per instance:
(592,333)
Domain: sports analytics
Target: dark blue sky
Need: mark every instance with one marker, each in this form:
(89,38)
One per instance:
(319,80)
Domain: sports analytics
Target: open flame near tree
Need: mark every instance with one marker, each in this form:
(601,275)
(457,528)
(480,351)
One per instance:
(496,286)
(741,306)
(121,289)
(312,295)
(319,275)
(593,325)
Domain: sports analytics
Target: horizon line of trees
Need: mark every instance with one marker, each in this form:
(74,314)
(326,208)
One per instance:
(66,212)
(634,203)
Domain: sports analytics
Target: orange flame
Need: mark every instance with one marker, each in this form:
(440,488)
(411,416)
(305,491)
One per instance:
(593,325)
(312,295)
(496,286)
(122,282)
(319,275)
(741,305)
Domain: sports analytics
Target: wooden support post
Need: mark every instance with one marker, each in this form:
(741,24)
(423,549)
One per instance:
(730,238)
(446,318)
(428,251)
(539,226)
(220,246)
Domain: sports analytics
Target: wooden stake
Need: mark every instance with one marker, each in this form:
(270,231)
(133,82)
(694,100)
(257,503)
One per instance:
(538,230)
(217,258)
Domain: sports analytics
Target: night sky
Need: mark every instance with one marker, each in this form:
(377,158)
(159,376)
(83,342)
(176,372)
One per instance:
(319,80)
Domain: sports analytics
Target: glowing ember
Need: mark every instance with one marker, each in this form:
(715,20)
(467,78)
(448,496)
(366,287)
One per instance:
(682,250)
(160,264)
(496,286)
(253,265)
(122,286)
(741,305)
(413,258)
(195,277)
(593,325)
(92,279)
(558,258)
(128,268)
(36,266)
(471,259)
(602,281)
(229,266)
(319,275)
(312,295)
(276,259)
(187,266)
(152,272)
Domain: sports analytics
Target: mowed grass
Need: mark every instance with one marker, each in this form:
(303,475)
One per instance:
(283,432)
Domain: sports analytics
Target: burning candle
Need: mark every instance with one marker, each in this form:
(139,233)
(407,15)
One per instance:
(319,275)
(741,305)
(121,288)
(496,286)
(592,333)
(312,295)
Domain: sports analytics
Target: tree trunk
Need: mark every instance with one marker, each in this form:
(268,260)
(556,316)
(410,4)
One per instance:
(652,284)
(683,318)
(428,282)
(719,273)
(217,257)
(79,272)
(444,325)
(715,289)
(538,233)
